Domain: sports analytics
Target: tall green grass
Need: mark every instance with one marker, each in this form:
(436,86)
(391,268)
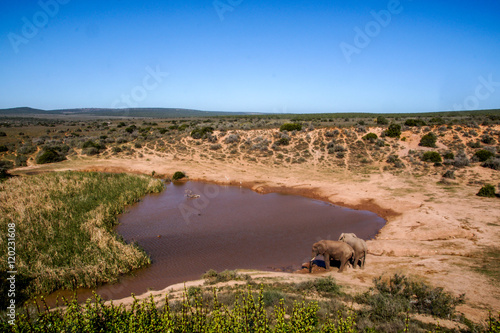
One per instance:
(63,223)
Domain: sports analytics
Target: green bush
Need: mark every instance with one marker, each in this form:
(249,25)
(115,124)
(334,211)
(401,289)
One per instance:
(487,190)
(282,142)
(49,155)
(3,148)
(449,156)
(323,285)
(432,156)
(400,294)
(393,131)
(201,133)
(428,140)
(415,122)
(21,161)
(290,127)
(178,175)
(372,137)
(4,166)
(92,144)
(3,134)
(483,155)
(381,120)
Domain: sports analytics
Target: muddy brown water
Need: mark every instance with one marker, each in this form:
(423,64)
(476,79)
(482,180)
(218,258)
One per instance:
(226,227)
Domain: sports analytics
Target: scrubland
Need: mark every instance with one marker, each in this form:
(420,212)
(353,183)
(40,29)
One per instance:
(422,173)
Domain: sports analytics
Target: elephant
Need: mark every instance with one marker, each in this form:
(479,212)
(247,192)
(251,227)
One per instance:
(331,249)
(359,247)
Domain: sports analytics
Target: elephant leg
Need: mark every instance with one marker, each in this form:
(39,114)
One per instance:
(356,259)
(342,265)
(363,261)
(327,261)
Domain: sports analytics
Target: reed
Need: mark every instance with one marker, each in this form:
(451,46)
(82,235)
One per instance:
(64,228)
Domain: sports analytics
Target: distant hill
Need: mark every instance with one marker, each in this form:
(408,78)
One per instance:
(132,112)
(182,113)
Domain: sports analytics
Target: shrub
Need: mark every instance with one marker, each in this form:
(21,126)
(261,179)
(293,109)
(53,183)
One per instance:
(21,161)
(473,144)
(428,140)
(290,127)
(449,156)
(483,155)
(415,122)
(201,133)
(487,190)
(401,294)
(178,175)
(372,137)
(49,155)
(492,163)
(381,120)
(284,141)
(4,166)
(212,277)
(461,160)
(92,144)
(216,146)
(487,140)
(393,131)
(3,134)
(437,121)
(232,138)
(450,174)
(3,148)
(432,156)
(272,297)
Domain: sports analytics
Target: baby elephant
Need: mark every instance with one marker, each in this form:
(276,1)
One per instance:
(359,246)
(332,249)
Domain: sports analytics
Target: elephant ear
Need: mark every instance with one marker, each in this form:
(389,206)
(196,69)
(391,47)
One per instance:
(341,238)
(321,248)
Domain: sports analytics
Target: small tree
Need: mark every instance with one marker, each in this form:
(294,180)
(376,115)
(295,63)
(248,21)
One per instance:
(372,137)
(49,155)
(487,190)
(290,127)
(394,131)
(381,120)
(432,156)
(415,122)
(428,140)
(178,175)
(483,155)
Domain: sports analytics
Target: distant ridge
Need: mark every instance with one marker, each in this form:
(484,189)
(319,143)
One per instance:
(132,112)
(185,113)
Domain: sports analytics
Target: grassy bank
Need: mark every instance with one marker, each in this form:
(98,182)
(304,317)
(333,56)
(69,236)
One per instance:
(63,229)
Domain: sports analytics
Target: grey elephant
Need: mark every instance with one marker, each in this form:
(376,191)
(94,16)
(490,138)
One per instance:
(359,247)
(330,249)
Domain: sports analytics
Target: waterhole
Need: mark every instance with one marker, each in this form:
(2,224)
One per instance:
(192,227)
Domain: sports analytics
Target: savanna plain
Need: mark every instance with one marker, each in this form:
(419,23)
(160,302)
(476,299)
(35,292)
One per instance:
(434,177)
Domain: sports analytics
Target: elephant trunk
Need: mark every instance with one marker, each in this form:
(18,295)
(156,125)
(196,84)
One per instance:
(313,256)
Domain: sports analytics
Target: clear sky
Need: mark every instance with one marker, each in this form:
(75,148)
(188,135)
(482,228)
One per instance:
(251,55)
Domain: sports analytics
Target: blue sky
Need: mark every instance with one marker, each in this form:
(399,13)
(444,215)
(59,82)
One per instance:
(251,55)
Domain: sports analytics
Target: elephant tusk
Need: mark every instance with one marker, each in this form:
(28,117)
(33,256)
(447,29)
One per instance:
(313,259)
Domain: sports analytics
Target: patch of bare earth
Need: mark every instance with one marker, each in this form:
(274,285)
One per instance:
(434,231)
